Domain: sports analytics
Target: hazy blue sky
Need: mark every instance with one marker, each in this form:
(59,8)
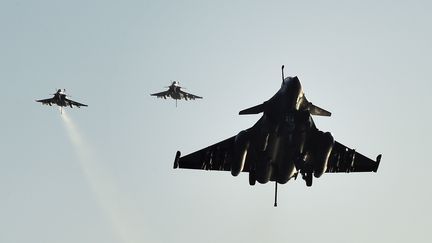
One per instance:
(105,175)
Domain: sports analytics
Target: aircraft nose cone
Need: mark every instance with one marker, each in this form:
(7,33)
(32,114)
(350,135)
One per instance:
(293,83)
(293,91)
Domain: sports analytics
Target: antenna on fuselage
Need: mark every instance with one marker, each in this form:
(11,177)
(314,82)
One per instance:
(283,78)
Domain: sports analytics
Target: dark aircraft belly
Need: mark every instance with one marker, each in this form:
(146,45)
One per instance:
(176,96)
(277,163)
(283,154)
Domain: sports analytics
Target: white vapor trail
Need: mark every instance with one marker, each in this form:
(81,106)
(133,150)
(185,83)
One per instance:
(103,186)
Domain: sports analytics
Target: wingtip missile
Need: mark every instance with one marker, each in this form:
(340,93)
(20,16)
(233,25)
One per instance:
(378,161)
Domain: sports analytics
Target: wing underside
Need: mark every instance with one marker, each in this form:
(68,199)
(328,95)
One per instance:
(215,157)
(344,159)
(47,101)
(74,103)
(161,94)
(188,96)
(218,157)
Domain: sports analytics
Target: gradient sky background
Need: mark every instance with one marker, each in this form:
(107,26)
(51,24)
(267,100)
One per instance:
(110,179)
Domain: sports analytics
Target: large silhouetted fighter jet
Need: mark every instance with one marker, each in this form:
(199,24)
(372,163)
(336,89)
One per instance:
(283,143)
(174,91)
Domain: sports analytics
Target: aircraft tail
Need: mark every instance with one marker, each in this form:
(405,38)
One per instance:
(253,110)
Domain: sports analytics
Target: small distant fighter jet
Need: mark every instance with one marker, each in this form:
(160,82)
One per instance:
(282,144)
(61,100)
(174,91)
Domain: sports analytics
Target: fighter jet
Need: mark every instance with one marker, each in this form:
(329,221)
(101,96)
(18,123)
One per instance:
(283,143)
(174,91)
(60,100)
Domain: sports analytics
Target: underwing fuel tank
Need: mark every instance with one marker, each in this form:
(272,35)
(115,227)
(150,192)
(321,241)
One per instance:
(240,152)
(323,153)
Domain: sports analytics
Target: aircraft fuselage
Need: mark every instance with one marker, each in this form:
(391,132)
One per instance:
(282,138)
(60,99)
(174,92)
